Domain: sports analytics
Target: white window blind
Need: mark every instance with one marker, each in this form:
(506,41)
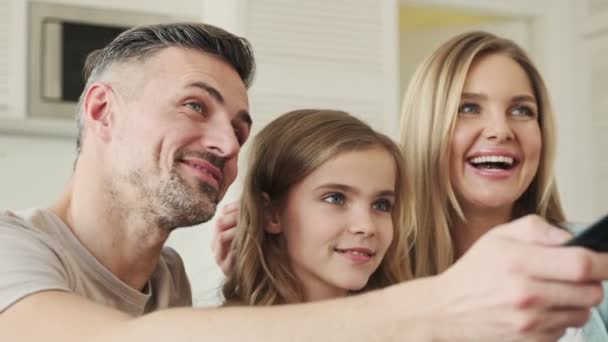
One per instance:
(4,52)
(318,54)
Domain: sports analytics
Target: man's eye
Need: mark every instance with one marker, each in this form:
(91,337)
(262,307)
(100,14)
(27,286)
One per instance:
(383,205)
(197,107)
(241,135)
(237,132)
(335,198)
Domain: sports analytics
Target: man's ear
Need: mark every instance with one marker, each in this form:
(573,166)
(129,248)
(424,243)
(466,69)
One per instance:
(272,218)
(98,116)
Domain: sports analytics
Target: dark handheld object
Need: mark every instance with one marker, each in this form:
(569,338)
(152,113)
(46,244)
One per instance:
(594,237)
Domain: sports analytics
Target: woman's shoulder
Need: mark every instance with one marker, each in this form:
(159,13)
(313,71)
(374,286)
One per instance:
(595,328)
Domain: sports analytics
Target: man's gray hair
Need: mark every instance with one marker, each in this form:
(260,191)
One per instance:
(144,41)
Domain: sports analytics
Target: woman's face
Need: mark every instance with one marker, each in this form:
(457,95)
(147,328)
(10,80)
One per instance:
(337,222)
(496,145)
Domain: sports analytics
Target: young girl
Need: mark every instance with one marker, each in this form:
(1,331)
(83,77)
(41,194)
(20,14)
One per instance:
(324,212)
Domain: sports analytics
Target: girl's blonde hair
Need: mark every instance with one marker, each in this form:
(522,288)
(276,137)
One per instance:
(430,109)
(283,154)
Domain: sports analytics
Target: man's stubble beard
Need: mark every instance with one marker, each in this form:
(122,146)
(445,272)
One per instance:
(182,205)
(172,202)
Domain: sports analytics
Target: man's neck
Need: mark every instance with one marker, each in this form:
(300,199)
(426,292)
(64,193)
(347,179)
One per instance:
(117,237)
(478,222)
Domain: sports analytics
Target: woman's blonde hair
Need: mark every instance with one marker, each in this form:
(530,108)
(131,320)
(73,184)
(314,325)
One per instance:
(283,154)
(430,109)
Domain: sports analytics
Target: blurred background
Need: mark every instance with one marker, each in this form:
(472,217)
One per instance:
(356,55)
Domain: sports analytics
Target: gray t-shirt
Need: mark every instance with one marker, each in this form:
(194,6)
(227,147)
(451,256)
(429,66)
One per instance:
(39,252)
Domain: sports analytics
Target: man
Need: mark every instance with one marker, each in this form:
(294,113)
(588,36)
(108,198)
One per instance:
(162,119)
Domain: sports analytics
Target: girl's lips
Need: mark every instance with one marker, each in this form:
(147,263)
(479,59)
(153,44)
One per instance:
(356,254)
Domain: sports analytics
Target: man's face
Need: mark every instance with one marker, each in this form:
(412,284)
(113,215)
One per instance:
(176,136)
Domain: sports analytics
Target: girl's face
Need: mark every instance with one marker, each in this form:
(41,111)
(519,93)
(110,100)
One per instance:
(337,222)
(496,145)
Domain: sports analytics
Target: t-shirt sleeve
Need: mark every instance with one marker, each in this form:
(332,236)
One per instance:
(28,264)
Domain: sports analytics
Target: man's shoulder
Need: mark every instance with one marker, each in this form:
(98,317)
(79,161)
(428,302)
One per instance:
(29,221)
(37,228)
(11,217)
(171,263)
(29,257)
(170,255)
(171,280)
(18,219)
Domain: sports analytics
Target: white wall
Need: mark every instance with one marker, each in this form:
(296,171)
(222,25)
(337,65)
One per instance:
(415,46)
(185,8)
(34,170)
(593,70)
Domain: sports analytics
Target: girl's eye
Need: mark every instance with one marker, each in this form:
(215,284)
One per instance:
(384,205)
(523,111)
(468,108)
(335,198)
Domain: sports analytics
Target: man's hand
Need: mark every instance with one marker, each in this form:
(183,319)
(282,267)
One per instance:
(223,234)
(518,284)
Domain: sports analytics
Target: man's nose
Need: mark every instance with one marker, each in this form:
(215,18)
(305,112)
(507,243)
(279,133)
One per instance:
(220,138)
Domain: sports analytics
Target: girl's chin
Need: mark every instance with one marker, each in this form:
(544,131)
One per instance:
(354,286)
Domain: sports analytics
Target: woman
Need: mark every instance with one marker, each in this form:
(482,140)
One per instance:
(324,212)
(478,136)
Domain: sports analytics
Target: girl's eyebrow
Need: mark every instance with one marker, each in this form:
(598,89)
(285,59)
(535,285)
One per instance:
(350,189)
(387,193)
(336,186)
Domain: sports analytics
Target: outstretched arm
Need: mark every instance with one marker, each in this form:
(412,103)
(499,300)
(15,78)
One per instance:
(514,284)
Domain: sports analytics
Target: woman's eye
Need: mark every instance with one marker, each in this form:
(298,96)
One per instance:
(383,205)
(468,108)
(336,198)
(523,111)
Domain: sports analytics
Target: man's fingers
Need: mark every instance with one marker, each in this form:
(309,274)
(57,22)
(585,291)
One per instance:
(567,264)
(533,229)
(556,295)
